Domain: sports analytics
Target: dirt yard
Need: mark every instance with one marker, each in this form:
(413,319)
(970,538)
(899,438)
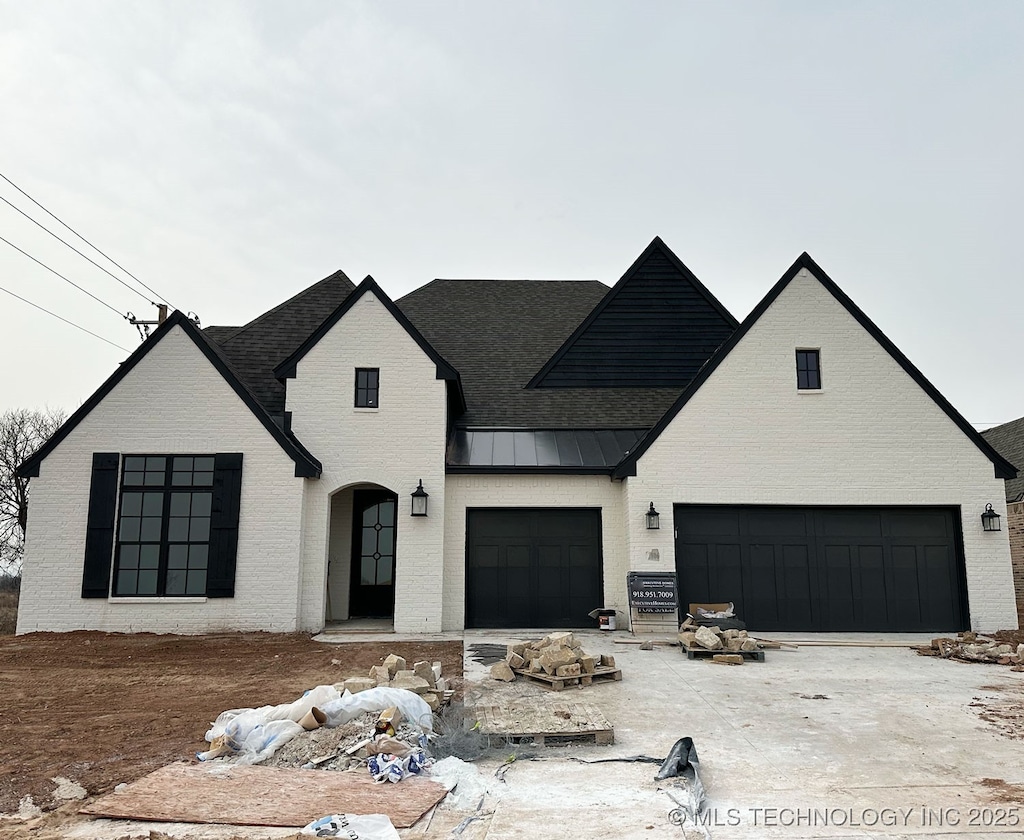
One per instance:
(101,709)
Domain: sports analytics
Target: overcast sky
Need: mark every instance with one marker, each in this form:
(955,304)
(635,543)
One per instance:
(229,154)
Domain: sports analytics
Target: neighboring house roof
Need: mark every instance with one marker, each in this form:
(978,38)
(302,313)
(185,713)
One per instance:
(286,369)
(1003,468)
(305,464)
(656,328)
(499,333)
(256,348)
(1008,440)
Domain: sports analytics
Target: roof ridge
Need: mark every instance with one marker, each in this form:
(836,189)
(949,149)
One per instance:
(260,318)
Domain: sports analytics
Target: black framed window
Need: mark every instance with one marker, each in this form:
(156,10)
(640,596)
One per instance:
(163,529)
(367,387)
(808,370)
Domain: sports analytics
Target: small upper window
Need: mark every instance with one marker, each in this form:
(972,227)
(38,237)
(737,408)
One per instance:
(367,385)
(808,370)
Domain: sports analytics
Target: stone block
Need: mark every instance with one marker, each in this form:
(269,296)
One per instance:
(405,672)
(424,671)
(516,647)
(394,663)
(412,683)
(587,664)
(607,661)
(734,645)
(687,638)
(730,634)
(556,657)
(749,644)
(436,668)
(380,675)
(708,639)
(568,670)
(432,700)
(441,684)
(514,660)
(727,659)
(357,684)
(501,671)
(560,638)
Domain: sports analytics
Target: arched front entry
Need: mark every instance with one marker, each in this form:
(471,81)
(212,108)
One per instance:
(361,553)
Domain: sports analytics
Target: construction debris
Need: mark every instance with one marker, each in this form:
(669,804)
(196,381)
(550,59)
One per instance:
(725,647)
(971,647)
(556,661)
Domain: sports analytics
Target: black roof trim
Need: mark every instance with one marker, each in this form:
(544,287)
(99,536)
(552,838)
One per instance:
(306,466)
(657,244)
(506,470)
(627,467)
(287,368)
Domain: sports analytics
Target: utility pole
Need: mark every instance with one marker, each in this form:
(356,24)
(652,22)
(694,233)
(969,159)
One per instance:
(143,326)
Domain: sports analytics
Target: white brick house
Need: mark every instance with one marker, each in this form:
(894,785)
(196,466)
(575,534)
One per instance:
(264,476)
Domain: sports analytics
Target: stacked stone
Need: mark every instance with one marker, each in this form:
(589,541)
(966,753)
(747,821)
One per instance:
(424,678)
(557,655)
(713,638)
(974,648)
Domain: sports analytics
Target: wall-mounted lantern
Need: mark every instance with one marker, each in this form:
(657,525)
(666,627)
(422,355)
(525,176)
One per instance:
(990,519)
(419,500)
(653,519)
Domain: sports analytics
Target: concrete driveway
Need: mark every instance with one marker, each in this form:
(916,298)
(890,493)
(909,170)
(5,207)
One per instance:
(816,742)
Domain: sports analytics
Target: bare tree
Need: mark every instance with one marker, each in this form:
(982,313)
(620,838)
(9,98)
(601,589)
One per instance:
(22,432)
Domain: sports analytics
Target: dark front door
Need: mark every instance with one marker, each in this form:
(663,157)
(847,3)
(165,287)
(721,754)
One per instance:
(532,567)
(373,554)
(825,569)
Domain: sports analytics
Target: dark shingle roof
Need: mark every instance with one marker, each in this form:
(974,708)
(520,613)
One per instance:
(256,348)
(1008,441)
(499,333)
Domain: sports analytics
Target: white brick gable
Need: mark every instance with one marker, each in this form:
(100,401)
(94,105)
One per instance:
(393,446)
(870,436)
(172,401)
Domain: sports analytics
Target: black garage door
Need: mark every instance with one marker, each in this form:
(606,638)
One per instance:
(825,569)
(532,567)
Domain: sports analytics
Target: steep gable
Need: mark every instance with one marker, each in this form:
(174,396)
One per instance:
(257,347)
(655,329)
(822,414)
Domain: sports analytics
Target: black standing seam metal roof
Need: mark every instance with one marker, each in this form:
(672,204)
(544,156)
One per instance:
(566,450)
(1008,441)
(1003,468)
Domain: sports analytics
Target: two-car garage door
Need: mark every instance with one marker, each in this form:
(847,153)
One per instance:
(825,569)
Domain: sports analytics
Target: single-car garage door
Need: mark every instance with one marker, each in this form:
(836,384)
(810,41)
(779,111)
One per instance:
(825,569)
(532,567)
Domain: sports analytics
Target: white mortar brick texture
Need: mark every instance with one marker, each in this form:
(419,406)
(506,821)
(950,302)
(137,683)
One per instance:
(394,447)
(173,401)
(871,436)
(531,491)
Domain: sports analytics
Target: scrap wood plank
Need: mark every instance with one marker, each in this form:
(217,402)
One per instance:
(848,643)
(224,794)
(558,722)
(601,673)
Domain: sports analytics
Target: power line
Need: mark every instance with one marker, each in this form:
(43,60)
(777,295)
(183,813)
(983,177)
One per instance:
(62,277)
(86,241)
(65,320)
(73,248)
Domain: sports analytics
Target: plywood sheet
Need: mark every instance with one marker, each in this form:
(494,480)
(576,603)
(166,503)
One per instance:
(228,795)
(561,717)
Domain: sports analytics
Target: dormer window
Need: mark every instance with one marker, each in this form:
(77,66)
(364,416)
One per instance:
(367,387)
(808,370)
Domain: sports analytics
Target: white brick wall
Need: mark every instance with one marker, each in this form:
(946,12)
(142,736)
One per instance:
(540,491)
(173,401)
(393,447)
(871,436)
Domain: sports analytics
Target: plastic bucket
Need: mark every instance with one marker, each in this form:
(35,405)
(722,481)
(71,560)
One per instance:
(606,619)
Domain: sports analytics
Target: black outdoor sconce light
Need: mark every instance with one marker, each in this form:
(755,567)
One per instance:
(653,519)
(990,519)
(419,500)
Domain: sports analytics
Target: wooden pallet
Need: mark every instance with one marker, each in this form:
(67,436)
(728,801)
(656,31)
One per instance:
(548,725)
(601,674)
(704,653)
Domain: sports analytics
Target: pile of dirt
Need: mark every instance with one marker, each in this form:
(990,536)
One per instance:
(99,709)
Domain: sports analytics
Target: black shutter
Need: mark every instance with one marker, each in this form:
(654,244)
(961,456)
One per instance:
(227,497)
(99,535)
